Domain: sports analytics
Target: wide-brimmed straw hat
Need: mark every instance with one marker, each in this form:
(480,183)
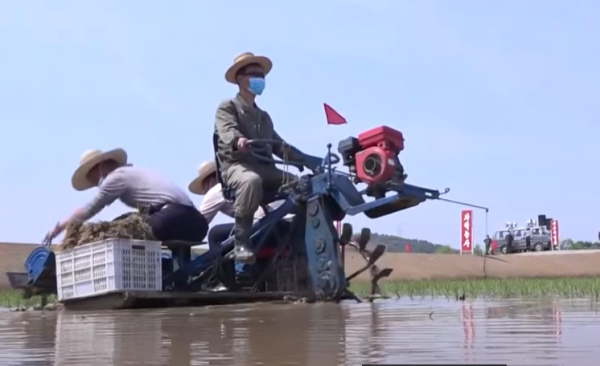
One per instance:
(246,59)
(90,159)
(207,168)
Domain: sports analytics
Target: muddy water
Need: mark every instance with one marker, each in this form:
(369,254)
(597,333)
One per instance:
(565,332)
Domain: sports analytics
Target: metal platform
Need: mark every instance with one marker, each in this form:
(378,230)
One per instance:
(152,299)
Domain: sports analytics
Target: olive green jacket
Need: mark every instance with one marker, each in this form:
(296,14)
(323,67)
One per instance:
(235,119)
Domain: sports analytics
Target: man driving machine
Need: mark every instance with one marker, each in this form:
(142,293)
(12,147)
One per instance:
(239,120)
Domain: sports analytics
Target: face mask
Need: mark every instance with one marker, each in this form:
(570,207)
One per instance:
(256,86)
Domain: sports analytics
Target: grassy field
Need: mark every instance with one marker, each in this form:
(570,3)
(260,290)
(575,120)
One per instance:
(488,288)
(13,299)
(481,288)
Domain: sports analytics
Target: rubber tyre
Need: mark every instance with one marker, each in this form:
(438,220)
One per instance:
(538,247)
(503,249)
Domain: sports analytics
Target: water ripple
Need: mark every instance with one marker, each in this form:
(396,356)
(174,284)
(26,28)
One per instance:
(517,332)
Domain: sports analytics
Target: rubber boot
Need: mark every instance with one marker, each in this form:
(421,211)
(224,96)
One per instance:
(241,232)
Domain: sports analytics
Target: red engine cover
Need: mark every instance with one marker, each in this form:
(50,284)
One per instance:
(375,164)
(384,137)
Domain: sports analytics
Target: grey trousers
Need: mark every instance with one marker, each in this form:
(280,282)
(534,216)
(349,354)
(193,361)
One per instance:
(249,183)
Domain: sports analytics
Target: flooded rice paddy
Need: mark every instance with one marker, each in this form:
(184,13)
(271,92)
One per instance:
(516,332)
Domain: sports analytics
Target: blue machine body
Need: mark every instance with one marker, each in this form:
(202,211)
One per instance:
(317,200)
(40,267)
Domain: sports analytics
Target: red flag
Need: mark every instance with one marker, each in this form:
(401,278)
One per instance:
(333,117)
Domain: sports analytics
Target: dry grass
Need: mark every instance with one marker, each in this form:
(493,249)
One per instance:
(132,227)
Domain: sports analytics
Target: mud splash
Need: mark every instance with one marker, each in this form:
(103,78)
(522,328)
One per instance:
(535,332)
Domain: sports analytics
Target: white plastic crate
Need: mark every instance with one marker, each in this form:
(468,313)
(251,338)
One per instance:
(109,265)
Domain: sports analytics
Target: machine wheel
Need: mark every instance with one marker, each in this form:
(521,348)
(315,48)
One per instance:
(538,247)
(503,249)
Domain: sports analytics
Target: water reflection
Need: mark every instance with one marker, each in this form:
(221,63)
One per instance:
(428,331)
(27,339)
(468,325)
(104,338)
(546,312)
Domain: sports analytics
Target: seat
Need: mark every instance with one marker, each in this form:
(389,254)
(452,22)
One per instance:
(181,251)
(228,193)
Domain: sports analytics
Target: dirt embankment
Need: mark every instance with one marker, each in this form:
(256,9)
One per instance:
(12,257)
(454,266)
(415,266)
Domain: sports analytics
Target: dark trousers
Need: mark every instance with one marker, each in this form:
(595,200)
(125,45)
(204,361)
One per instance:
(218,234)
(174,221)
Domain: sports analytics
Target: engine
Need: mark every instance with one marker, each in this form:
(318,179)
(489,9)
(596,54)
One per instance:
(373,156)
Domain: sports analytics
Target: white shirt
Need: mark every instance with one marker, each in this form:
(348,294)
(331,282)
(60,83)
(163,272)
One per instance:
(136,188)
(214,203)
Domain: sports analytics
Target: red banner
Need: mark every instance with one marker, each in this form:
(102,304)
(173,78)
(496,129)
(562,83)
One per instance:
(466,231)
(554,233)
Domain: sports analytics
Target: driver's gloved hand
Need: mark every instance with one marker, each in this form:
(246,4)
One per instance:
(312,162)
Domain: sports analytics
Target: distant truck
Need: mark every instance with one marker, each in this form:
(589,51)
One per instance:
(539,239)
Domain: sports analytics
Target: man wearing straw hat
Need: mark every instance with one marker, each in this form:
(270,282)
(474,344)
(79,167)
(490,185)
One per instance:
(170,212)
(238,120)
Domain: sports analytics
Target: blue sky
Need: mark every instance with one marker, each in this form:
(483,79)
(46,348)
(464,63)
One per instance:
(497,99)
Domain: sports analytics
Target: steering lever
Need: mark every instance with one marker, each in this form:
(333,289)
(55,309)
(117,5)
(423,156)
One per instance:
(258,149)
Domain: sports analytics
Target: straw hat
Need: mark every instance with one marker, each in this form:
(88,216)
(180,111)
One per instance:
(90,159)
(207,168)
(246,59)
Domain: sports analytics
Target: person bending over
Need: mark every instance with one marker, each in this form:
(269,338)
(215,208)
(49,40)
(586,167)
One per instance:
(168,209)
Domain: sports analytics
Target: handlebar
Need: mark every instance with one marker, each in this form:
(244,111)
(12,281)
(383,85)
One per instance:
(258,149)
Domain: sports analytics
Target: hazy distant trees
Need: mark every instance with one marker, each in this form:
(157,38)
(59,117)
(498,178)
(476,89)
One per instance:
(398,244)
(569,244)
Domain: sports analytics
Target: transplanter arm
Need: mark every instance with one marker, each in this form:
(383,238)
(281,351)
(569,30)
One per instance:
(352,201)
